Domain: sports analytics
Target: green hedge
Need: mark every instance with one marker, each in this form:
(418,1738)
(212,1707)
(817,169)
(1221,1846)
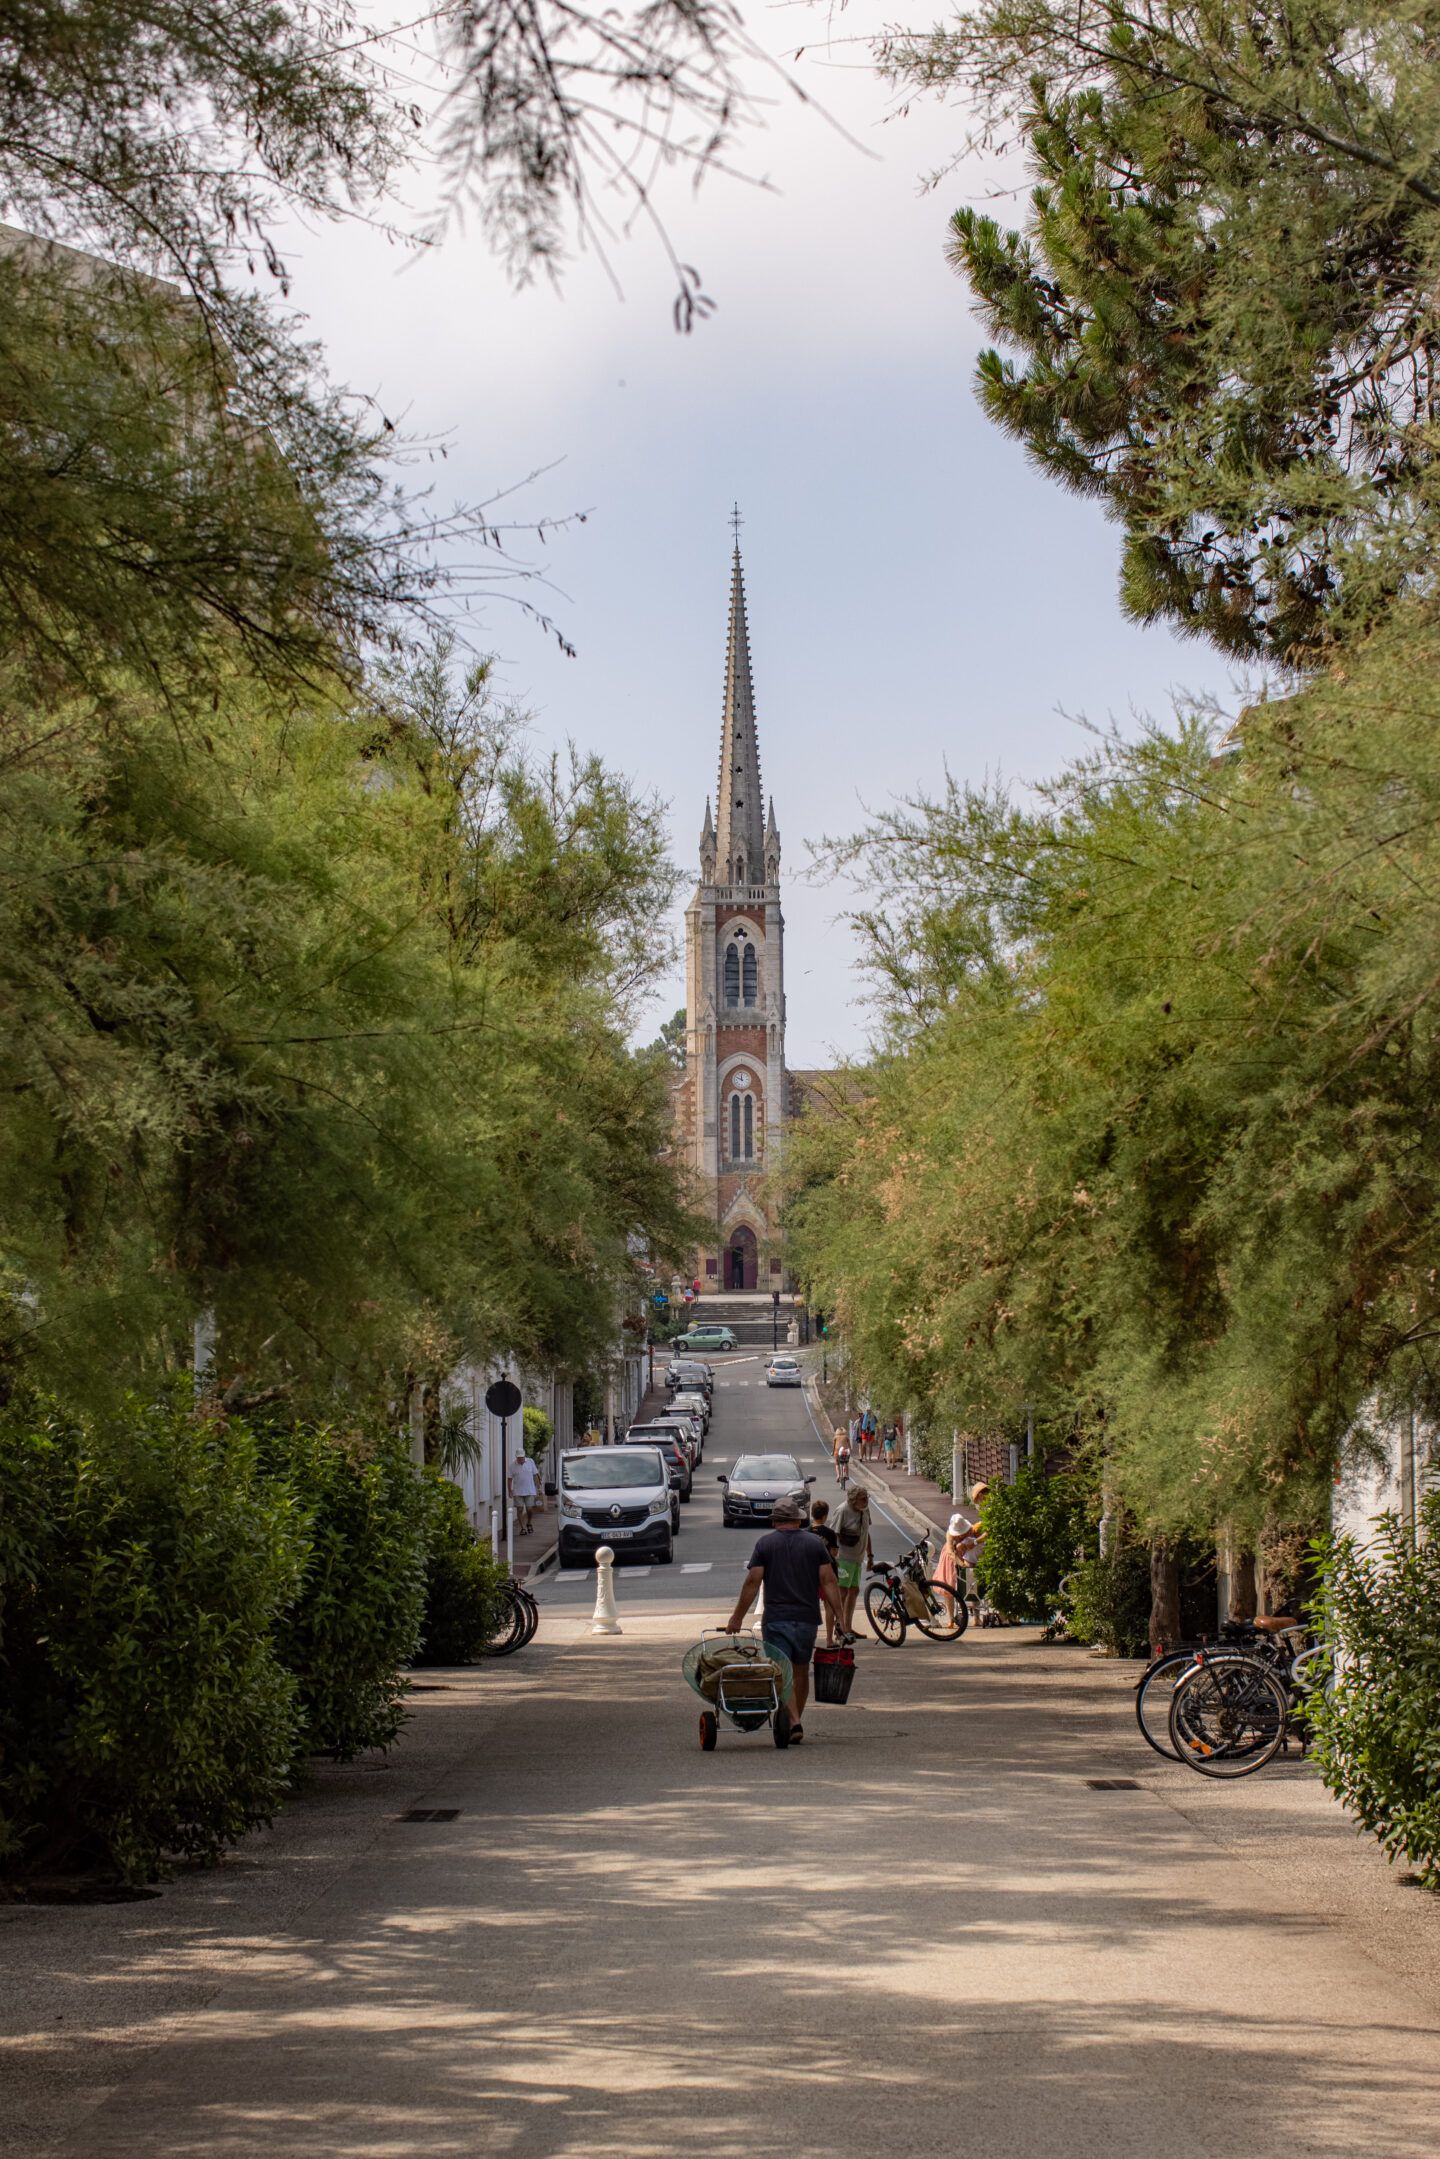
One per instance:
(187,1611)
(358,1615)
(462,1581)
(1108,1599)
(1377,1737)
(1033,1529)
(146,1709)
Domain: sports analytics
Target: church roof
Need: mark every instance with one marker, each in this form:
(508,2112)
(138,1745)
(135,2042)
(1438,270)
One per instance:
(740,828)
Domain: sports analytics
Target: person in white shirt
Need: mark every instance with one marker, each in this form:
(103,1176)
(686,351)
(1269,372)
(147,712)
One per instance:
(524,1490)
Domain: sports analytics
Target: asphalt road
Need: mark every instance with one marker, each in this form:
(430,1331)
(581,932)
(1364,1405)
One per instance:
(925,1930)
(709,1562)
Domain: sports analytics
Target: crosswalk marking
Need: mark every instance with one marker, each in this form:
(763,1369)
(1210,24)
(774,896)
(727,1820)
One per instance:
(575,1574)
(697,1566)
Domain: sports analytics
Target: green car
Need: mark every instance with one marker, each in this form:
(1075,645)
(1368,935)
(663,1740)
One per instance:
(707,1334)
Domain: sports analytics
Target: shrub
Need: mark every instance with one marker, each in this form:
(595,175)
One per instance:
(539,1432)
(462,1581)
(357,1618)
(1032,1530)
(143,1564)
(1109,1598)
(1378,1735)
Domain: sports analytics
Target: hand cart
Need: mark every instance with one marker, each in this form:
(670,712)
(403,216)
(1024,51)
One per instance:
(745,1682)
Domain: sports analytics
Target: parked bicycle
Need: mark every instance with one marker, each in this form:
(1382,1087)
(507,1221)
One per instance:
(1233,1707)
(902,1594)
(1156,1684)
(519,1619)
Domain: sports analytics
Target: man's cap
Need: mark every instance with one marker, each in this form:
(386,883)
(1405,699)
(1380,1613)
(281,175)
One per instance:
(787,1510)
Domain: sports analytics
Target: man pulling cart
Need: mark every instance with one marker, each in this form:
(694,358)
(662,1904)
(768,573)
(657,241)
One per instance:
(794,1568)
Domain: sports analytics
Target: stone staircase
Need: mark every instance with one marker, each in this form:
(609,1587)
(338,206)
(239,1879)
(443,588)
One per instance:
(749,1314)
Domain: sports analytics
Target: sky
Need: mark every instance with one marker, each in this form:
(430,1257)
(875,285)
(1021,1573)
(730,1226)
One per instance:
(919,597)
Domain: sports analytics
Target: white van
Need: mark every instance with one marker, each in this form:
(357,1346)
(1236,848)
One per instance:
(618,1496)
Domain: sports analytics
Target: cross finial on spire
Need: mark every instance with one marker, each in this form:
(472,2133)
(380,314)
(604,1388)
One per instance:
(736,521)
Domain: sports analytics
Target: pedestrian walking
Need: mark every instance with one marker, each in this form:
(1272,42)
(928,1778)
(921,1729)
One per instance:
(867,1436)
(524,1490)
(841,1450)
(820,1527)
(892,1445)
(794,1569)
(852,1533)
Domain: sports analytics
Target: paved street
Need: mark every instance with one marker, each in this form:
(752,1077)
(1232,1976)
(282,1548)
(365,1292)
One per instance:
(922,1931)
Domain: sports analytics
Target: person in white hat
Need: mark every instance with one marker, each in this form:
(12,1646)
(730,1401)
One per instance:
(964,1541)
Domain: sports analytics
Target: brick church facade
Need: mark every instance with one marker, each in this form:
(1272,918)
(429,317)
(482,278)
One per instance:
(733,1100)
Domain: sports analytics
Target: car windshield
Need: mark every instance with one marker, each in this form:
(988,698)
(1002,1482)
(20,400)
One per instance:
(765,1469)
(782,1364)
(607,1469)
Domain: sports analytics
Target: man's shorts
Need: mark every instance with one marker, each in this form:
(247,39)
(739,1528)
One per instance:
(848,1572)
(793,1638)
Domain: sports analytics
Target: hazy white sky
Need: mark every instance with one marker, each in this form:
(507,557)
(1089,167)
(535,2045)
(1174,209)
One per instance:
(918,595)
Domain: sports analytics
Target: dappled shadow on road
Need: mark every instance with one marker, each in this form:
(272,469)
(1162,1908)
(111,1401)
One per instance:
(920,1929)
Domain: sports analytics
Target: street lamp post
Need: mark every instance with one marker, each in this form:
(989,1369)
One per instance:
(774,1319)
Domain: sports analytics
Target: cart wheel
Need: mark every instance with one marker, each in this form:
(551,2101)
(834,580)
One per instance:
(782,1727)
(709,1730)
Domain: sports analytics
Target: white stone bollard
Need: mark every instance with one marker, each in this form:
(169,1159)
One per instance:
(605,1620)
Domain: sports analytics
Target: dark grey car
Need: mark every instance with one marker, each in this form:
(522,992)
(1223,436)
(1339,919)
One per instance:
(755,1483)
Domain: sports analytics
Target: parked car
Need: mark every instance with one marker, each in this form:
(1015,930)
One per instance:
(706,1334)
(671,1485)
(685,1426)
(783,1371)
(752,1487)
(618,1496)
(673,1448)
(690,1372)
(694,1403)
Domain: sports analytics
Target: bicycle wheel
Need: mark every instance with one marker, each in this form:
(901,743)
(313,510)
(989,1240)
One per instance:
(885,1614)
(1228,1716)
(942,1625)
(1152,1698)
(510,1635)
(531,1611)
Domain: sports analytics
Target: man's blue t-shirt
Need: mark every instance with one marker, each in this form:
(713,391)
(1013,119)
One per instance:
(792,1559)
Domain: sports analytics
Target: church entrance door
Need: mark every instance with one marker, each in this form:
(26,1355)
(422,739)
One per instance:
(744,1259)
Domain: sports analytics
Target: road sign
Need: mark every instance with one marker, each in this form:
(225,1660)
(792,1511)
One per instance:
(502,1399)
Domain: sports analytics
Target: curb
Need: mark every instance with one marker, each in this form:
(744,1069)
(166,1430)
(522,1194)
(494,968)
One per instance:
(909,1518)
(538,1566)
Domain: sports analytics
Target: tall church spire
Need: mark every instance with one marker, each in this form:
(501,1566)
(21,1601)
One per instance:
(740,827)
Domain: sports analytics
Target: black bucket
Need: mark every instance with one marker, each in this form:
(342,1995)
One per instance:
(834,1674)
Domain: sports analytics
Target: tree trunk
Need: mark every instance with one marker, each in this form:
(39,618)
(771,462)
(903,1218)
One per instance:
(1164,1596)
(1243,1601)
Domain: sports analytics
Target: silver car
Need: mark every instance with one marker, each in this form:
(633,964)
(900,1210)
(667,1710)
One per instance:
(783,1371)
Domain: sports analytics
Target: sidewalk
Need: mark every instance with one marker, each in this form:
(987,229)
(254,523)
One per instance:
(973,1896)
(918,1505)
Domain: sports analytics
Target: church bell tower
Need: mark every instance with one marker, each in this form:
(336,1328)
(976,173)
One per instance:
(735,994)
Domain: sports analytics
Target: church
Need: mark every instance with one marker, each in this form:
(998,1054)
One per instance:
(735,1096)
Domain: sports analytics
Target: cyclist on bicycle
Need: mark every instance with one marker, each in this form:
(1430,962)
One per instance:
(841,1451)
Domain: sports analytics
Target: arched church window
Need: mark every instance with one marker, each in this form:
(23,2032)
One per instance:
(751,971)
(732,974)
(739,869)
(749,1128)
(734,1127)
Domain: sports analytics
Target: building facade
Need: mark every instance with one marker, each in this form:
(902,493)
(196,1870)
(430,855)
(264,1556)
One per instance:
(732,1099)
